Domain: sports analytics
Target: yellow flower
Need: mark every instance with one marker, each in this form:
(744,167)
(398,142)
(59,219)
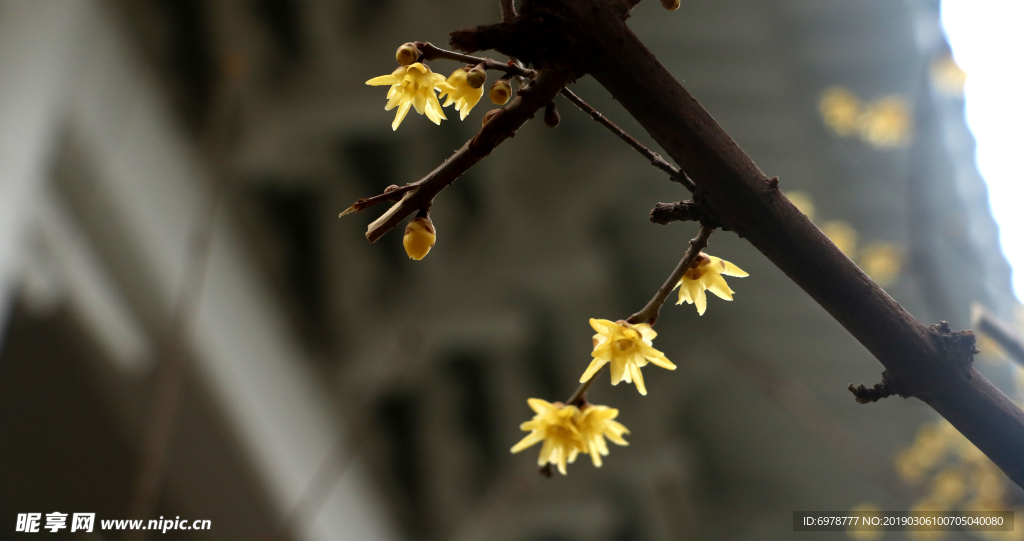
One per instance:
(628,348)
(419,238)
(595,423)
(413,86)
(705,273)
(555,425)
(461,93)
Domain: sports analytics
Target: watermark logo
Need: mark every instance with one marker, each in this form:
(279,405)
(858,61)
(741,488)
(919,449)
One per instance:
(86,522)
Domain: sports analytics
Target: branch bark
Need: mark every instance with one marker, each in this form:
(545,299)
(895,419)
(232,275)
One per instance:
(929,363)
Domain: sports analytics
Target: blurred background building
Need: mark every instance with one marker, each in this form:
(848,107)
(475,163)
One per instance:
(190,331)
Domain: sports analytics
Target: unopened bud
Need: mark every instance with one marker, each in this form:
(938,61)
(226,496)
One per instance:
(407,54)
(489,115)
(501,91)
(477,76)
(419,237)
(670,5)
(551,116)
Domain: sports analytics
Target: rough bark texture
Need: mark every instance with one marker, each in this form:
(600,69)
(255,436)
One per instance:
(930,363)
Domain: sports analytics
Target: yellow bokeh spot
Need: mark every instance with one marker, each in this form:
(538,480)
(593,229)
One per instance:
(947,77)
(887,122)
(843,235)
(803,202)
(862,532)
(882,262)
(840,108)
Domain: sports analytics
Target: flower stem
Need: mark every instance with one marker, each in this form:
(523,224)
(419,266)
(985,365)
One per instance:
(649,314)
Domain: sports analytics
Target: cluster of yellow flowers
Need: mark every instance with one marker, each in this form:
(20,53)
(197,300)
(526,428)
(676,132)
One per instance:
(414,86)
(884,123)
(882,261)
(568,430)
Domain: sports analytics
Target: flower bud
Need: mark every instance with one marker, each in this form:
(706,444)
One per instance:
(501,91)
(670,5)
(407,54)
(551,116)
(477,76)
(489,115)
(419,237)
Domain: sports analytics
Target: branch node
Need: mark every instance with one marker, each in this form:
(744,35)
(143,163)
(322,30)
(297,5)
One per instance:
(680,211)
(957,348)
(885,389)
(773,184)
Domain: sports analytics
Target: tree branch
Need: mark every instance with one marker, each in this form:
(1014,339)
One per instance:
(429,51)
(930,363)
(656,160)
(503,125)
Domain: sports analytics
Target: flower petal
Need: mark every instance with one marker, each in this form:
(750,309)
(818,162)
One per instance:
(733,270)
(638,379)
(402,111)
(701,301)
(530,440)
(595,365)
(538,405)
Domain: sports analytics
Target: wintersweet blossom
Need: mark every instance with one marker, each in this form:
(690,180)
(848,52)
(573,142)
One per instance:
(568,431)
(628,348)
(705,273)
(555,425)
(413,86)
(595,423)
(461,93)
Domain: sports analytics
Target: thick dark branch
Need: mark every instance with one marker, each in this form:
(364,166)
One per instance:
(656,160)
(432,52)
(1001,333)
(649,314)
(680,211)
(932,364)
(503,125)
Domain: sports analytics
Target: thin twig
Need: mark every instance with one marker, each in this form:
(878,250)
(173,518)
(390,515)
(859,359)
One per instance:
(1002,333)
(656,160)
(649,313)
(508,10)
(432,52)
(390,194)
